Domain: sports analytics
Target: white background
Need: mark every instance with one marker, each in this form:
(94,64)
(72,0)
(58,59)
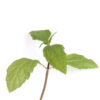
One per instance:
(77,23)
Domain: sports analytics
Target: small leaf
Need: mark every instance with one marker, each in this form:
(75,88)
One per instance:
(51,37)
(79,61)
(42,35)
(56,56)
(18,72)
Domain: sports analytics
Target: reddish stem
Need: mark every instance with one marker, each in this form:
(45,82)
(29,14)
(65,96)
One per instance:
(45,83)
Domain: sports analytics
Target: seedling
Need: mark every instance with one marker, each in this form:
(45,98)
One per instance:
(19,71)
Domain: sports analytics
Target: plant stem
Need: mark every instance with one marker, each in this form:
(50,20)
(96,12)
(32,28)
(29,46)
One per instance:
(45,83)
(43,66)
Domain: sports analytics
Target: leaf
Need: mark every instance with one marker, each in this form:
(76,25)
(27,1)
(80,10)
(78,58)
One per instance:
(51,37)
(56,56)
(18,72)
(42,35)
(79,61)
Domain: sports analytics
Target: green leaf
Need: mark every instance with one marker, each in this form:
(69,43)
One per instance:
(18,72)
(42,35)
(51,37)
(56,56)
(79,61)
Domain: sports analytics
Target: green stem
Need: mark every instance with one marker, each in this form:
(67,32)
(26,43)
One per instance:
(42,65)
(45,83)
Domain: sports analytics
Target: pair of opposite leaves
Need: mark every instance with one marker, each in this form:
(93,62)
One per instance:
(19,71)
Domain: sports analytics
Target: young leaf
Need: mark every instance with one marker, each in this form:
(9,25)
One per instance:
(18,72)
(56,56)
(51,37)
(79,61)
(42,35)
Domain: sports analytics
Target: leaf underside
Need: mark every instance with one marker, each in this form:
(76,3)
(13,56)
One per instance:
(56,56)
(18,72)
(80,62)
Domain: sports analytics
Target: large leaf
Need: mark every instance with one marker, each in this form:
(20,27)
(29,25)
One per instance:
(18,72)
(79,61)
(56,56)
(42,35)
